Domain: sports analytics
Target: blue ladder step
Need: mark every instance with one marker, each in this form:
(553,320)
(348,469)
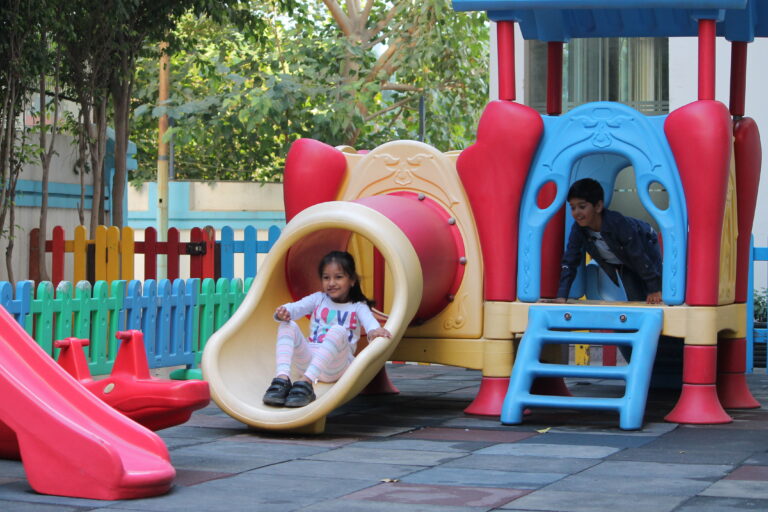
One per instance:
(583,372)
(639,329)
(590,338)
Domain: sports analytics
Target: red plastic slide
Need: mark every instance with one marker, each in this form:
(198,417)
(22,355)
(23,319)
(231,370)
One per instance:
(72,443)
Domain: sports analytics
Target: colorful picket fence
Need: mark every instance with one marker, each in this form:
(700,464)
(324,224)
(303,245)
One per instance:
(177,317)
(757,338)
(110,255)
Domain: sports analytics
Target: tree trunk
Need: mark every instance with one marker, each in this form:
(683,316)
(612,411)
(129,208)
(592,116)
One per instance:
(121,97)
(45,160)
(97,142)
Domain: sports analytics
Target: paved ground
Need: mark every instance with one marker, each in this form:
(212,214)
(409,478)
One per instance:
(418,452)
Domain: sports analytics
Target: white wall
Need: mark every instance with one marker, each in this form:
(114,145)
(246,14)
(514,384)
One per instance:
(683,82)
(28,218)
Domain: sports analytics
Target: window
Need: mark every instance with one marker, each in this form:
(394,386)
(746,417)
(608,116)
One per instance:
(633,71)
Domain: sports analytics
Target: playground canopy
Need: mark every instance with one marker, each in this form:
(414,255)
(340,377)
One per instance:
(563,20)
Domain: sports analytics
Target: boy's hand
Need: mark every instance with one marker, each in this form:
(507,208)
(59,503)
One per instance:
(653,298)
(375,333)
(282,313)
(558,300)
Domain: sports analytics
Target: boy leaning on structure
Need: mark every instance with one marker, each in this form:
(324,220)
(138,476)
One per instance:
(625,248)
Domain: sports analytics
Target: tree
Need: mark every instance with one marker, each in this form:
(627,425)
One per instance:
(23,51)
(350,74)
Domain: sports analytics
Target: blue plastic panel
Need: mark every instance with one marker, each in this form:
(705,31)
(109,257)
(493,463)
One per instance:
(604,128)
(563,20)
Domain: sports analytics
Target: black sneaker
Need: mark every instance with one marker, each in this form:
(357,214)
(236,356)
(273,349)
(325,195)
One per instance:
(277,391)
(301,394)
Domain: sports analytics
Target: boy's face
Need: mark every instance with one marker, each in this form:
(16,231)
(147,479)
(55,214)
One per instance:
(586,214)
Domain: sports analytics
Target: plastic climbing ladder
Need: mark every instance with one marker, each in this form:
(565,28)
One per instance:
(635,327)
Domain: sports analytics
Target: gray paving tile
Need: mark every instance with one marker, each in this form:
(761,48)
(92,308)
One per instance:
(405,457)
(682,456)
(482,478)
(234,457)
(343,429)
(247,492)
(581,439)
(201,433)
(738,489)
(12,469)
(649,429)
(17,506)
(522,463)
(549,500)
(713,504)
(352,470)
(345,505)
(549,450)
(758,458)
(438,494)
(694,437)
(477,422)
(423,444)
(644,478)
(22,492)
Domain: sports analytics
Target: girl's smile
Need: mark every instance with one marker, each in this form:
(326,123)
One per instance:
(336,282)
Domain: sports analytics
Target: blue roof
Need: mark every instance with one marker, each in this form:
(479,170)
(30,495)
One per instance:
(562,20)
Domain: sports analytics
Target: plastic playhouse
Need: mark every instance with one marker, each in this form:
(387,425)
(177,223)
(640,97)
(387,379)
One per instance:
(458,247)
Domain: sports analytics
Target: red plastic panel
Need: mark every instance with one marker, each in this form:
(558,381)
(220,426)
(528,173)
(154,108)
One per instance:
(313,174)
(700,137)
(551,243)
(732,355)
(436,242)
(493,171)
(699,364)
(748,155)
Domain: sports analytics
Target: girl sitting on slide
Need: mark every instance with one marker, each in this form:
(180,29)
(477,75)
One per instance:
(337,313)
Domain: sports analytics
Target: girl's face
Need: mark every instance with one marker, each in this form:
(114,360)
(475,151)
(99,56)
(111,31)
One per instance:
(586,214)
(336,282)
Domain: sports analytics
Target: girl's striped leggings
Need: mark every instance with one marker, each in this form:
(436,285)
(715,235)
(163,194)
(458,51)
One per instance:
(324,361)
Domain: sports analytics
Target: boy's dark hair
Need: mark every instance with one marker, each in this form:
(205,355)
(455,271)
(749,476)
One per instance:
(587,189)
(347,264)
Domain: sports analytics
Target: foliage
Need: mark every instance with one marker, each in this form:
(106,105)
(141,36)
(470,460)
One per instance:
(760,298)
(242,93)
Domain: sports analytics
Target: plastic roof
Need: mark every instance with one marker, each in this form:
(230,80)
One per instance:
(562,20)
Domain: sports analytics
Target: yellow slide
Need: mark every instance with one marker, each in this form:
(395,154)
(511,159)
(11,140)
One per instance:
(239,359)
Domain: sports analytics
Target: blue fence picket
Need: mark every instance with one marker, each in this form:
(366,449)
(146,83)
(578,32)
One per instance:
(250,247)
(176,317)
(19,306)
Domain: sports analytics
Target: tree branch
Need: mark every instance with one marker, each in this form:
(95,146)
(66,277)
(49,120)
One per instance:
(340,16)
(389,108)
(389,86)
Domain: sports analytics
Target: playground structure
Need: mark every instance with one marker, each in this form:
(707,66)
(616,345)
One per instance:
(457,248)
(71,442)
(487,226)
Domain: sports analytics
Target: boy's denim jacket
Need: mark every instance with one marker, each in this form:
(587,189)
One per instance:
(633,241)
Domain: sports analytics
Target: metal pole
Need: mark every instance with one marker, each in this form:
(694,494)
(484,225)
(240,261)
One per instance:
(162,159)
(422,115)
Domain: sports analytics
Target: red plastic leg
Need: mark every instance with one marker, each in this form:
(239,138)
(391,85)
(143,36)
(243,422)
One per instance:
(490,397)
(698,402)
(380,385)
(72,358)
(732,388)
(554,386)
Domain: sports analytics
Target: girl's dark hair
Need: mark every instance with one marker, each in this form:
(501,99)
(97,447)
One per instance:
(347,264)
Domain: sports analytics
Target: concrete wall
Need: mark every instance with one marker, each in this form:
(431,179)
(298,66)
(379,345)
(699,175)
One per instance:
(198,204)
(64,191)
